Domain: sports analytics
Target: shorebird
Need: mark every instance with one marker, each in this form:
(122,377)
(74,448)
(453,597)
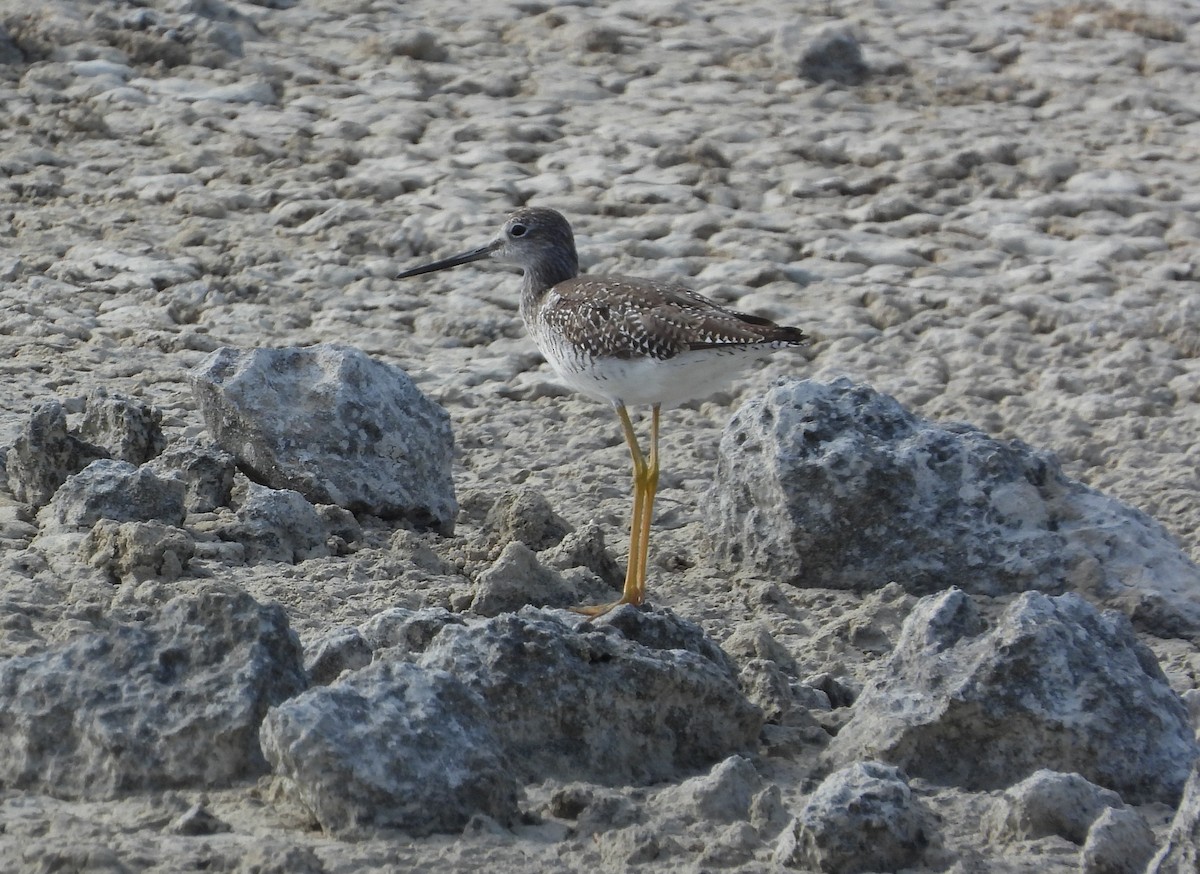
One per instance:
(625,341)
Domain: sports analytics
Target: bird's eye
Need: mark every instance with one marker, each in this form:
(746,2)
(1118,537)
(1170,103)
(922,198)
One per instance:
(517,231)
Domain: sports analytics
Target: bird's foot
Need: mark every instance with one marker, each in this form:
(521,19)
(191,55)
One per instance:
(594,610)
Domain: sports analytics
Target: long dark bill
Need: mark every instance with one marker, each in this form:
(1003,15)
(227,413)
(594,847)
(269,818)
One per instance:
(455,260)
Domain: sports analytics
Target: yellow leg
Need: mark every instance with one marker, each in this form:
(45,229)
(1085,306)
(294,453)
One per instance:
(645,486)
(634,573)
(649,491)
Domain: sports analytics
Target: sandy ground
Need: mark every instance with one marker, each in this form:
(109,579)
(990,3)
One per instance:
(998,225)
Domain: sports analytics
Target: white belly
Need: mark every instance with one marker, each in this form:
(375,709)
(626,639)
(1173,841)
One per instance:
(671,381)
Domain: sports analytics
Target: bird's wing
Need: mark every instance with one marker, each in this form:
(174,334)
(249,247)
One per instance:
(612,316)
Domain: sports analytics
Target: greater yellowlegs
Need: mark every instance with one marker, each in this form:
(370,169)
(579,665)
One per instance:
(624,341)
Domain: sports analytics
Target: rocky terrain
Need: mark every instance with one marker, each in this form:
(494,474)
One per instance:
(286,541)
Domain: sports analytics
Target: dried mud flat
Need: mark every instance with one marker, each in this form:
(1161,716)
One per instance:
(991,216)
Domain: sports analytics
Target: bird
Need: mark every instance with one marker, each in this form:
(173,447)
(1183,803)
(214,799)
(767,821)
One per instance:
(625,341)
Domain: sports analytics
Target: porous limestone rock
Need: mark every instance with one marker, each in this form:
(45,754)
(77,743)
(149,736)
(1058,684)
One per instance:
(861,818)
(1180,854)
(517,578)
(138,550)
(523,514)
(207,472)
(392,745)
(723,795)
(1054,683)
(836,485)
(408,630)
(327,658)
(335,425)
(1119,842)
(172,702)
(45,453)
(128,429)
(278,525)
(596,704)
(1048,803)
(114,490)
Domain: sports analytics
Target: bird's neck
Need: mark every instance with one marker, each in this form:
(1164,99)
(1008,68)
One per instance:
(542,277)
(549,272)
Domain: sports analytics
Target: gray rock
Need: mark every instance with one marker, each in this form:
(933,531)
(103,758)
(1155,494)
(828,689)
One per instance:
(663,629)
(1180,854)
(391,746)
(1120,842)
(584,548)
(1048,803)
(753,640)
(517,578)
(523,514)
(10,54)
(115,490)
(735,844)
(861,818)
(337,652)
(128,429)
(834,485)
(636,845)
(44,454)
(765,685)
(417,550)
(1054,684)
(334,425)
(606,708)
(768,815)
(594,808)
(278,525)
(833,55)
(408,630)
(173,702)
(838,691)
(342,529)
(207,472)
(724,794)
(138,551)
